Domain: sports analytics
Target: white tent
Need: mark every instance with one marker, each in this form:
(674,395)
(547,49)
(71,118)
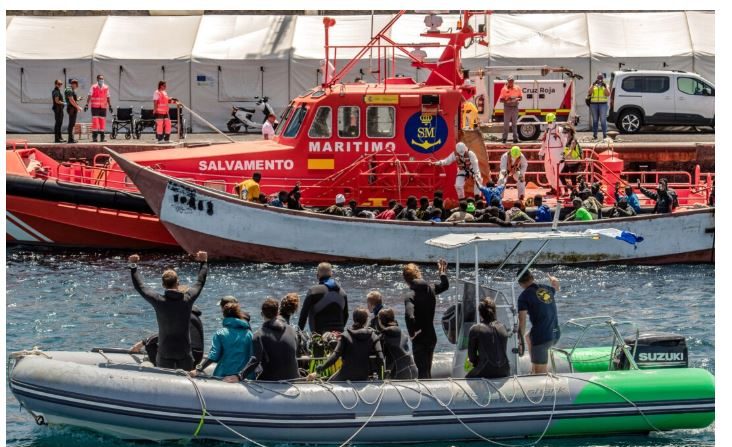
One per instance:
(558,40)
(701,30)
(656,41)
(211,62)
(134,53)
(39,51)
(236,58)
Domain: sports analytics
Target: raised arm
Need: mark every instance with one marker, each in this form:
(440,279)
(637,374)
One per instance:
(444,284)
(195,290)
(147,293)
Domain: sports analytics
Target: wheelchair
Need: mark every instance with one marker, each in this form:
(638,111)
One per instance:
(147,119)
(123,120)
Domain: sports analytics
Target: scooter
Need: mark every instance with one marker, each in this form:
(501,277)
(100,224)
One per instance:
(244,117)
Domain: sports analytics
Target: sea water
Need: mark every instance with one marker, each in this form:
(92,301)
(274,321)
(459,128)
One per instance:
(65,300)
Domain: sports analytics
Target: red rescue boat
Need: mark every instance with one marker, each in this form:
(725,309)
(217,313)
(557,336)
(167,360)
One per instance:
(42,209)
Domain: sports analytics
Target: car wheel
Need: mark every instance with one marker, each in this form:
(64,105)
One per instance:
(630,121)
(528,131)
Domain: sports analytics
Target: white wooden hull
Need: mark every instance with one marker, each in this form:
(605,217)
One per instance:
(225,227)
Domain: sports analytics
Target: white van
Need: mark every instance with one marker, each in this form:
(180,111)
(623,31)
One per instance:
(666,98)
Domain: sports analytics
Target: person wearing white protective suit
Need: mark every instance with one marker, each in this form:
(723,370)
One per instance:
(552,150)
(513,163)
(467,164)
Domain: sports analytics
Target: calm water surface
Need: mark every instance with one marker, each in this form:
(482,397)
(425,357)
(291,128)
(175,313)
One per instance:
(74,301)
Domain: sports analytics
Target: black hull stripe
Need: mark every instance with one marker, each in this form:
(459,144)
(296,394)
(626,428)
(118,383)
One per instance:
(709,408)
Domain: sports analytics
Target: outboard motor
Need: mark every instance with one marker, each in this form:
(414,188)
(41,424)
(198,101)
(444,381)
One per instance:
(654,351)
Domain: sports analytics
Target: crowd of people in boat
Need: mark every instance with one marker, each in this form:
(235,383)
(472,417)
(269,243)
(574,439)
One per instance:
(588,203)
(321,343)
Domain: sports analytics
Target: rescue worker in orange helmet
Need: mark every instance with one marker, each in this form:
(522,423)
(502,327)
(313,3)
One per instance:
(161,107)
(99,102)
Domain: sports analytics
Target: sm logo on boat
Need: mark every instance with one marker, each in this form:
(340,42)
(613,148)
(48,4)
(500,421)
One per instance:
(425,133)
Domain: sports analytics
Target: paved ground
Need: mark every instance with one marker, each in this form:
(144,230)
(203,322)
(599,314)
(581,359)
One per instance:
(680,135)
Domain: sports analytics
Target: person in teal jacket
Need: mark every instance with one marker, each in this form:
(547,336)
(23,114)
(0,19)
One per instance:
(231,346)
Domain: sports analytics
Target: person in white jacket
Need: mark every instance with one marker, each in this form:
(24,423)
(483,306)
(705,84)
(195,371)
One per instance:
(513,163)
(467,164)
(552,150)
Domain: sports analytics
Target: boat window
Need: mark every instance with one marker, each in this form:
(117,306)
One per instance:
(348,122)
(307,93)
(318,94)
(283,119)
(322,124)
(293,127)
(380,121)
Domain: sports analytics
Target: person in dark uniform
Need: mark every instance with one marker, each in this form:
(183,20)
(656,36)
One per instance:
(325,308)
(537,300)
(487,344)
(420,314)
(195,328)
(395,344)
(355,347)
(173,312)
(57,105)
(275,348)
(72,107)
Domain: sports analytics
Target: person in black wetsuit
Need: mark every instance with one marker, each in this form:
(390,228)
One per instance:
(665,197)
(420,314)
(355,346)
(487,344)
(150,344)
(395,345)
(173,313)
(196,331)
(325,307)
(275,348)
(374,303)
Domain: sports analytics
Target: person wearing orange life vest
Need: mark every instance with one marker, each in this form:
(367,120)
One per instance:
(552,149)
(515,164)
(161,107)
(99,102)
(467,164)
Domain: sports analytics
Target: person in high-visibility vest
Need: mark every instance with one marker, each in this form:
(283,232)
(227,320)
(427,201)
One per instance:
(99,102)
(598,95)
(552,148)
(161,108)
(514,163)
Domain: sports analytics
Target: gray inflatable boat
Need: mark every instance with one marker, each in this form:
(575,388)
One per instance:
(118,394)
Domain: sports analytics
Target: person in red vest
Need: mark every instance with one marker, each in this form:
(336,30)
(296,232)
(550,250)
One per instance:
(161,106)
(99,102)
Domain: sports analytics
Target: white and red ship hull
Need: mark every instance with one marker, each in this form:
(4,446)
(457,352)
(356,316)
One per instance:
(226,227)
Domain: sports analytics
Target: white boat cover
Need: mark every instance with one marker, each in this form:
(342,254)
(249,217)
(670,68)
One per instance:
(456,240)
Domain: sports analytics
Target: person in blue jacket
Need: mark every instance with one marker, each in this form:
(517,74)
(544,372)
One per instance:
(490,190)
(231,346)
(543,212)
(632,197)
